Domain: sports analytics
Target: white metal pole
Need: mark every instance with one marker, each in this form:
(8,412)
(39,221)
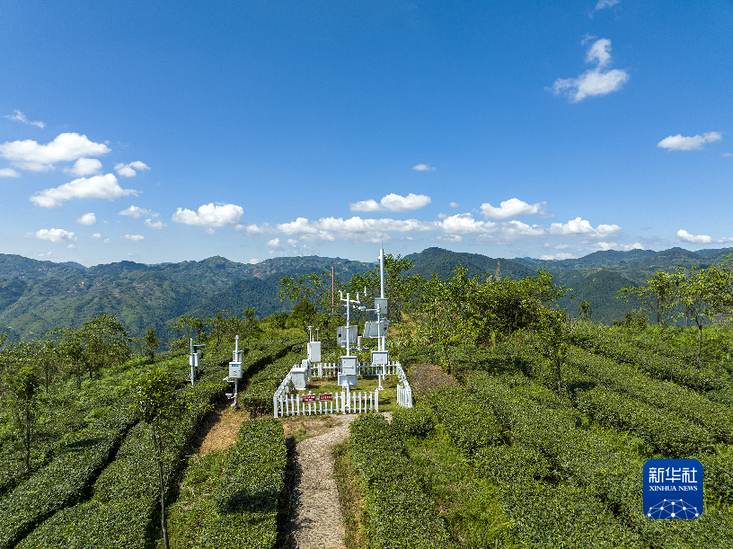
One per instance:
(381,270)
(348,325)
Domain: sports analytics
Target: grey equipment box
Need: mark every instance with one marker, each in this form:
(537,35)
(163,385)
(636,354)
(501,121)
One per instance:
(380,358)
(235,370)
(314,351)
(341,335)
(299,376)
(381,304)
(349,371)
(376,329)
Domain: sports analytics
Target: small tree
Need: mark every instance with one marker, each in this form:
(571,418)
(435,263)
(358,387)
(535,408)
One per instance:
(585,311)
(155,400)
(704,294)
(24,402)
(658,295)
(552,331)
(150,344)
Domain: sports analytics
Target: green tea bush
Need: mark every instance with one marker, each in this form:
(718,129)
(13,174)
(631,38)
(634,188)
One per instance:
(65,480)
(621,378)
(469,423)
(257,399)
(124,508)
(248,493)
(400,514)
(417,421)
(669,434)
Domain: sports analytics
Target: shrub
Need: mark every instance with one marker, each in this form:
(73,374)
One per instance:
(400,514)
(417,421)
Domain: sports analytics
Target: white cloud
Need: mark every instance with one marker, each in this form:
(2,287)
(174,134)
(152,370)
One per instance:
(136,212)
(605,4)
(87,219)
(99,186)
(328,229)
(97,235)
(423,168)
(134,237)
(67,147)
(393,202)
(275,242)
(582,226)
(593,81)
(8,172)
(85,166)
(154,224)
(55,235)
(20,117)
(465,224)
(397,203)
(558,257)
(453,204)
(370,205)
(512,208)
(209,214)
(131,169)
(724,155)
(695,143)
(516,229)
(696,239)
(107,241)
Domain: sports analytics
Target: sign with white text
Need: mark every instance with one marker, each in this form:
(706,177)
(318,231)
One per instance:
(673,489)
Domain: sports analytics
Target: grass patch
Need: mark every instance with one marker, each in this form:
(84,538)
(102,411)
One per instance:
(351,495)
(467,501)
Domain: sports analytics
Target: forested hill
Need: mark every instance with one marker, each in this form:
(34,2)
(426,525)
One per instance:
(38,296)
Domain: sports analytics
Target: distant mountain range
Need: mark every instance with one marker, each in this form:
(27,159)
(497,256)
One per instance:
(38,296)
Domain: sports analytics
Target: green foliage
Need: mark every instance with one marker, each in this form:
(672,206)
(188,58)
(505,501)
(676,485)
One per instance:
(400,513)
(417,421)
(469,423)
(64,481)
(248,493)
(122,512)
(22,388)
(669,434)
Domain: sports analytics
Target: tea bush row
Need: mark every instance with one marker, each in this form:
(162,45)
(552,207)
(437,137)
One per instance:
(124,509)
(468,422)
(399,512)
(716,418)
(257,399)
(417,421)
(248,493)
(65,480)
(605,465)
(673,366)
(667,433)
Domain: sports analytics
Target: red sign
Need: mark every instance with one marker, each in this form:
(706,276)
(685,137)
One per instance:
(325,397)
(309,398)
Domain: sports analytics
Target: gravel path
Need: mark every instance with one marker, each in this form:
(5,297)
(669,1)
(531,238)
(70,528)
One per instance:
(316,521)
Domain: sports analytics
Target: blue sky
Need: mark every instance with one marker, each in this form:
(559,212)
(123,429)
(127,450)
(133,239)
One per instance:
(177,131)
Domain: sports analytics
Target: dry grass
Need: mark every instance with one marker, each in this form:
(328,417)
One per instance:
(219,429)
(303,427)
(426,378)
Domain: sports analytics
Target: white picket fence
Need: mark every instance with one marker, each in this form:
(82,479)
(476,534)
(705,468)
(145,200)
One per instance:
(404,391)
(364,369)
(285,403)
(352,402)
